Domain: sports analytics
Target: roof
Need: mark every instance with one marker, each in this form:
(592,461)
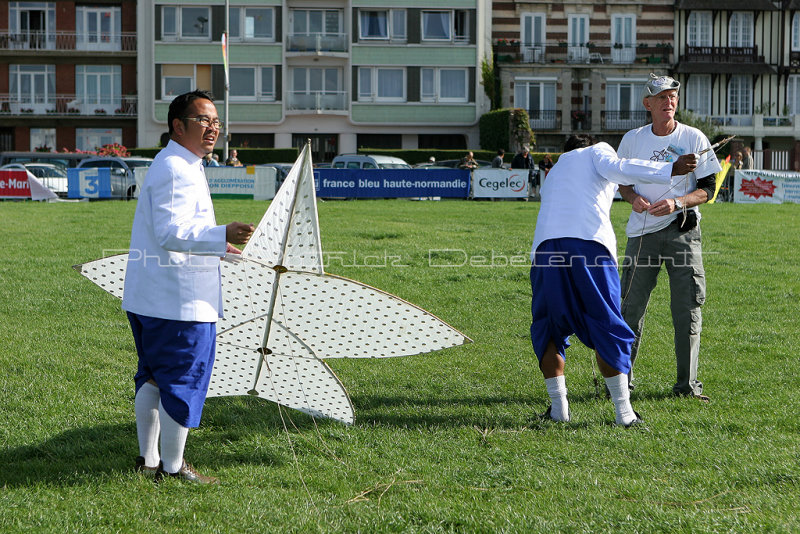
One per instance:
(730,5)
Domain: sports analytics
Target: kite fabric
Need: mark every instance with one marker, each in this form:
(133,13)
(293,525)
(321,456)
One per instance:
(283,314)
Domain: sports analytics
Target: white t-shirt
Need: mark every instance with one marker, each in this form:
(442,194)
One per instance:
(578,192)
(643,143)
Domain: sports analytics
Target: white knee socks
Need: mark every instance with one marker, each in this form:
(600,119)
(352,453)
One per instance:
(620,394)
(173,440)
(148,427)
(557,389)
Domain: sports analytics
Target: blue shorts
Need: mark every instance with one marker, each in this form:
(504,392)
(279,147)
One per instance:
(179,357)
(576,290)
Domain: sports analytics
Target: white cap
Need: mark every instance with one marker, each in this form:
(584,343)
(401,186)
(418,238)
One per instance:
(657,84)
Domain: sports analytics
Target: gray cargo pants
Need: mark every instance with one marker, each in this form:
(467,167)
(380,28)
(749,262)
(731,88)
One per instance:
(682,254)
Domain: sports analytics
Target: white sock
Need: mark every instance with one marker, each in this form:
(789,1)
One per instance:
(173,441)
(621,395)
(148,426)
(557,389)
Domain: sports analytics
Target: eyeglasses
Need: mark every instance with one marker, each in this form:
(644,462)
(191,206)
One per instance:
(205,122)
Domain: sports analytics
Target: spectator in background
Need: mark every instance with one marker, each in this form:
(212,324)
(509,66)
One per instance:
(468,162)
(545,165)
(736,161)
(209,161)
(747,161)
(524,160)
(233,160)
(497,162)
(431,160)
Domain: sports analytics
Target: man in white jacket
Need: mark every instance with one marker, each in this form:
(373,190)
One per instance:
(574,277)
(173,293)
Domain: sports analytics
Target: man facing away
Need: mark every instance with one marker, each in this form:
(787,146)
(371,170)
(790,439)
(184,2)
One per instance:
(664,228)
(574,277)
(173,294)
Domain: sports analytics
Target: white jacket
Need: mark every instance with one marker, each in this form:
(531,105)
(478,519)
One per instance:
(173,266)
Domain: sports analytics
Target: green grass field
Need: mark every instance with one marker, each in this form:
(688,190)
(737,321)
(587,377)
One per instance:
(443,442)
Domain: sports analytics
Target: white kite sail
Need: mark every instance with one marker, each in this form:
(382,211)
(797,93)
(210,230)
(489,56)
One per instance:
(283,314)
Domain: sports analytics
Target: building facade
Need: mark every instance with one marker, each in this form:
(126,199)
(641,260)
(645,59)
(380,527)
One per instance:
(346,74)
(67,74)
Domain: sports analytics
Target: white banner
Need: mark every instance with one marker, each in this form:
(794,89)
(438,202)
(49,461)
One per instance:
(766,187)
(255,182)
(500,183)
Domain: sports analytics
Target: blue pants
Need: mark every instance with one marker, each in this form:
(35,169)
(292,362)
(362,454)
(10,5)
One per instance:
(576,290)
(179,357)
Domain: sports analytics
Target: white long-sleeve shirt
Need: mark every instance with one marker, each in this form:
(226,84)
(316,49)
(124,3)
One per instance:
(173,265)
(579,190)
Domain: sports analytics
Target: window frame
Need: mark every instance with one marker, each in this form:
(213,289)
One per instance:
(701,23)
(437,86)
(241,37)
(258,94)
(744,26)
(177,33)
(740,81)
(692,99)
(392,16)
(373,75)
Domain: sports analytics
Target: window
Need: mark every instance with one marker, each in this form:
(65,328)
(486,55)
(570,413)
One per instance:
(42,138)
(698,94)
(383,24)
(252,83)
(381,84)
(32,87)
(32,25)
(172,86)
(623,38)
(741,29)
(624,105)
(316,22)
(316,88)
(461,26)
(185,23)
(98,28)
(796,32)
(578,30)
(252,23)
(93,138)
(699,31)
(793,94)
(436,26)
(740,95)
(533,36)
(538,97)
(98,87)
(443,85)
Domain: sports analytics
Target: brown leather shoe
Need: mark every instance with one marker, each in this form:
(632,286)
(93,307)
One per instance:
(140,467)
(186,472)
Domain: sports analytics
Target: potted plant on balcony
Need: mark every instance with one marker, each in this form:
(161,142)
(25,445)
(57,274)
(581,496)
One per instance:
(618,46)
(578,118)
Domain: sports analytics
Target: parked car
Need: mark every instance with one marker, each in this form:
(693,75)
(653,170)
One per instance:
(361,161)
(64,160)
(454,163)
(123,182)
(52,176)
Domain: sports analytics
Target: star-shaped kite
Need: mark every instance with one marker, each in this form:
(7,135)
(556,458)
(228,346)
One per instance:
(283,313)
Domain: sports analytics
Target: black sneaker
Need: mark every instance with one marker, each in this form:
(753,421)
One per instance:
(186,472)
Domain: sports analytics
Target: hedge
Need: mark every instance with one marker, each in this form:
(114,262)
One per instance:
(248,156)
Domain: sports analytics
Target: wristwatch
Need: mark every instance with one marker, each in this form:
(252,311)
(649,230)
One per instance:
(678,204)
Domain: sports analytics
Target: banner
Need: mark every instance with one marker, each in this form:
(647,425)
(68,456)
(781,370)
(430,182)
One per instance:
(766,187)
(237,182)
(89,183)
(391,183)
(14,184)
(500,183)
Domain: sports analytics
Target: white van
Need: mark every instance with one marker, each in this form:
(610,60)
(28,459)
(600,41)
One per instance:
(360,161)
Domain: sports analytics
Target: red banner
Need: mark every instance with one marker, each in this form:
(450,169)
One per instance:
(14,184)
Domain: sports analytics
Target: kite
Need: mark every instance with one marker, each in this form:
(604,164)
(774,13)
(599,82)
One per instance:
(283,315)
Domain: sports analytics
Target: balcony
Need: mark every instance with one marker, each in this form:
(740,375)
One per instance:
(581,120)
(317,101)
(61,105)
(602,52)
(723,59)
(544,119)
(68,41)
(622,120)
(316,42)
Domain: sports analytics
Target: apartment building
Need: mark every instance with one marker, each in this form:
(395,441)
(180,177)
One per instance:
(581,65)
(67,74)
(346,74)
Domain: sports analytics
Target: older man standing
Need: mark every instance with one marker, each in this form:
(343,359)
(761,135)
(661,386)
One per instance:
(574,278)
(663,228)
(172,292)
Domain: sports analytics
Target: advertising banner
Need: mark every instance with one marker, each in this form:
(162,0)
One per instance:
(391,183)
(766,187)
(237,182)
(89,183)
(14,184)
(500,183)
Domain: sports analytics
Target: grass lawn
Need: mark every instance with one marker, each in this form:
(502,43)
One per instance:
(443,442)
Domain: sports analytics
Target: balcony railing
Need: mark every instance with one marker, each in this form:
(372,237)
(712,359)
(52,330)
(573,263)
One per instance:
(601,52)
(623,120)
(318,101)
(731,120)
(44,40)
(722,54)
(317,42)
(544,119)
(60,105)
(581,120)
